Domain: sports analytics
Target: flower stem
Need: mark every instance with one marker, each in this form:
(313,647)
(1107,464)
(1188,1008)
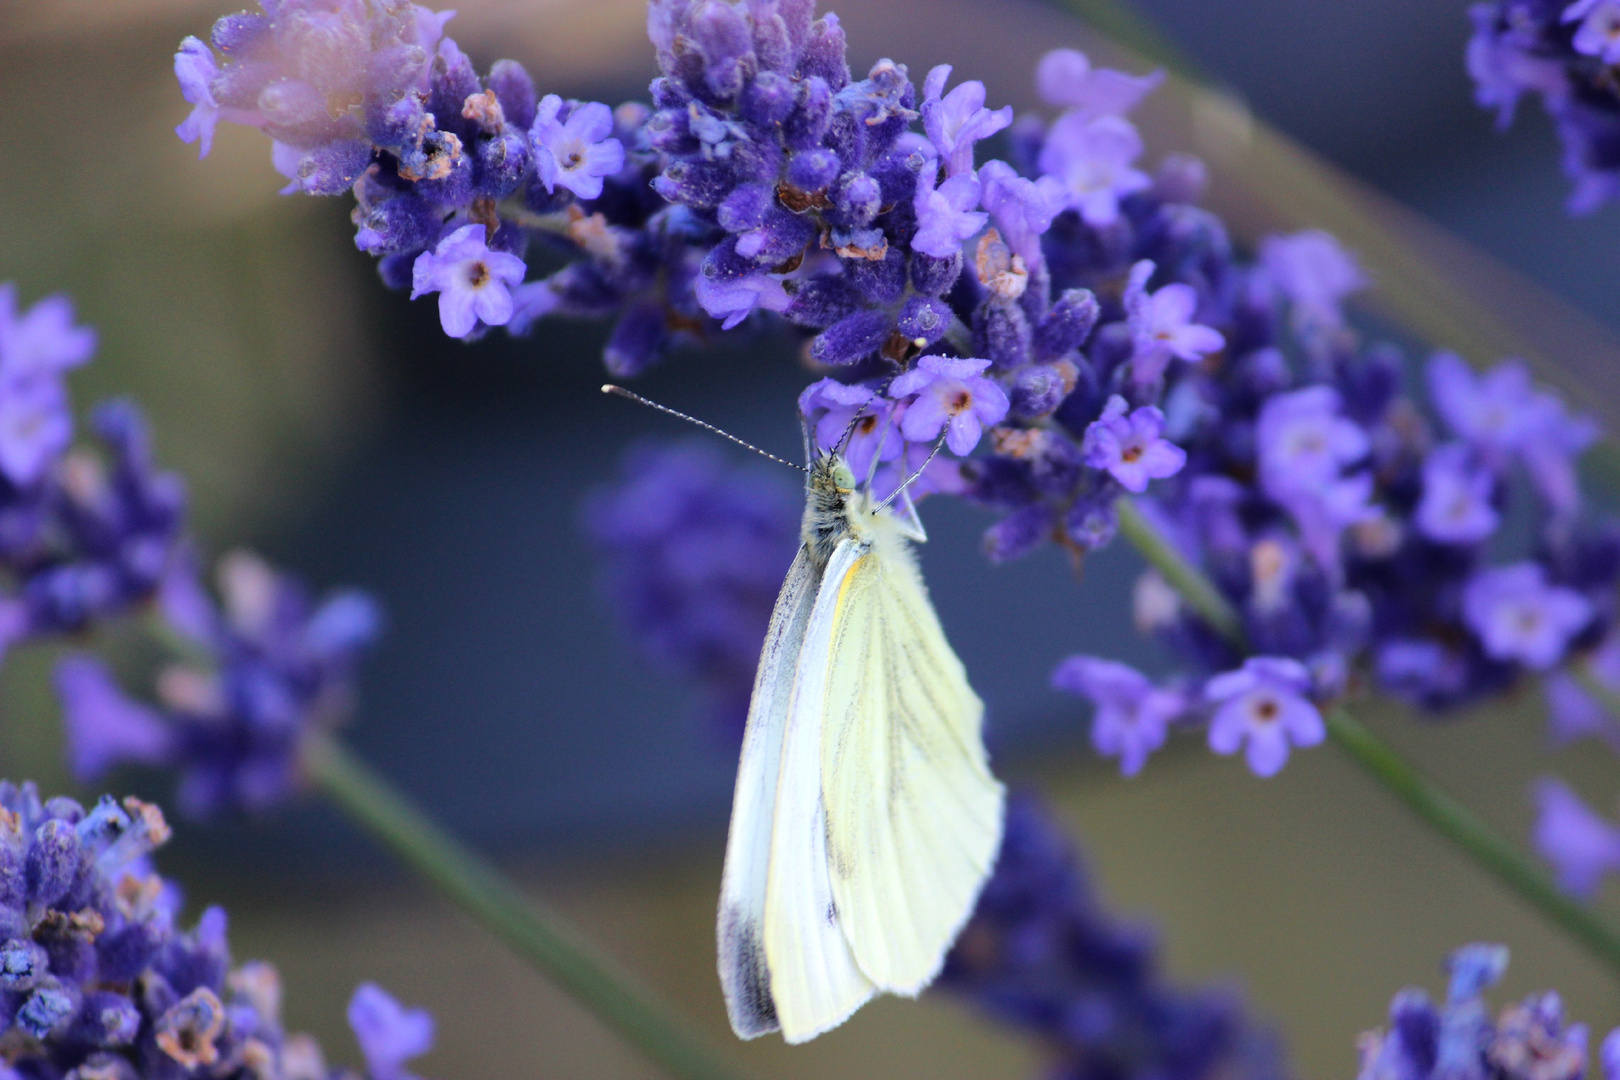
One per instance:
(537,934)
(1457,823)
(1442,813)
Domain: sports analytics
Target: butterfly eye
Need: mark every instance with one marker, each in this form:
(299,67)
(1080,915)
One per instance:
(843,478)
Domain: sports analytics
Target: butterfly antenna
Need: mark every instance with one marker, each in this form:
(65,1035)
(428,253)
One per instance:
(932,454)
(609,388)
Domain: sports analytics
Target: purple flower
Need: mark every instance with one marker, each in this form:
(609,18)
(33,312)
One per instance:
(1519,616)
(1315,272)
(472,281)
(1162,327)
(1023,209)
(1456,506)
(1554,439)
(35,427)
(945,215)
(832,408)
(195,68)
(1582,846)
(1503,67)
(1599,32)
(1065,77)
(1572,712)
(104,727)
(1132,717)
(1494,411)
(575,153)
(44,340)
(1131,447)
(1303,442)
(1094,160)
(733,301)
(389,1034)
(1263,704)
(951,394)
(959,119)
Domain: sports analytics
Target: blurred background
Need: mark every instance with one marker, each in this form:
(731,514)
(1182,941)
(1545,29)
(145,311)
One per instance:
(331,425)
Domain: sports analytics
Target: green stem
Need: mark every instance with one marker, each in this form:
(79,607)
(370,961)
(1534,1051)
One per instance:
(1195,589)
(534,932)
(1457,823)
(1442,813)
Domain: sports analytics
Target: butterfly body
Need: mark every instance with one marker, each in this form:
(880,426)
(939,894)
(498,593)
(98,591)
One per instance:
(865,818)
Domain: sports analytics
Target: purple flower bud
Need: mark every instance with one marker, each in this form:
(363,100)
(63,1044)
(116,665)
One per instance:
(53,859)
(852,338)
(502,164)
(923,319)
(1091,524)
(846,134)
(821,301)
(878,281)
(824,53)
(856,199)
(1181,178)
(932,275)
(240,33)
(805,127)
(1036,392)
(702,185)
(1019,533)
(767,100)
(637,340)
(1067,326)
(814,170)
(721,35)
(1001,332)
(509,81)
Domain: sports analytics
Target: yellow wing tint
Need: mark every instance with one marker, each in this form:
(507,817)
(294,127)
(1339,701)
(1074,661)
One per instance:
(815,983)
(913,815)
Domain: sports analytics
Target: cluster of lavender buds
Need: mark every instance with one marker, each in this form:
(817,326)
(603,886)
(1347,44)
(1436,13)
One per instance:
(1457,1039)
(1567,53)
(260,676)
(1039,954)
(694,549)
(98,982)
(83,536)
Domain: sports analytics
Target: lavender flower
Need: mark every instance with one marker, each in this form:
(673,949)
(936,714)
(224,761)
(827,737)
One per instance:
(100,981)
(1519,616)
(1132,717)
(1583,847)
(1263,704)
(1559,52)
(1530,1040)
(1040,954)
(1315,274)
(576,152)
(1456,506)
(1161,325)
(1131,447)
(695,549)
(472,281)
(946,215)
(856,415)
(279,668)
(951,395)
(957,120)
(389,1034)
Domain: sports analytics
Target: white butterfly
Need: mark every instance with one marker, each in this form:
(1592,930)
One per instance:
(865,819)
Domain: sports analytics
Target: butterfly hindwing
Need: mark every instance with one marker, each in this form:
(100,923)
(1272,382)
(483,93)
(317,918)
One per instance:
(744,974)
(913,815)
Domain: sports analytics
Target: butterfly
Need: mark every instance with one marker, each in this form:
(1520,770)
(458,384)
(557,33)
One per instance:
(865,818)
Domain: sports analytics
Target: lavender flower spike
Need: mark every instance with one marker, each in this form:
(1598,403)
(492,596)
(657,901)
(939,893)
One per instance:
(959,119)
(951,394)
(1132,448)
(1132,717)
(1264,704)
(474,283)
(576,152)
(1582,846)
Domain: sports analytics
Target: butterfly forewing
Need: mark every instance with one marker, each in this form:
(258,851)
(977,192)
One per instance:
(815,982)
(913,814)
(744,975)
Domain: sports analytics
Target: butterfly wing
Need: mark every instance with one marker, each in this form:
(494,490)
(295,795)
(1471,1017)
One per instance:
(913,814)
(744,976)
(814,981)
